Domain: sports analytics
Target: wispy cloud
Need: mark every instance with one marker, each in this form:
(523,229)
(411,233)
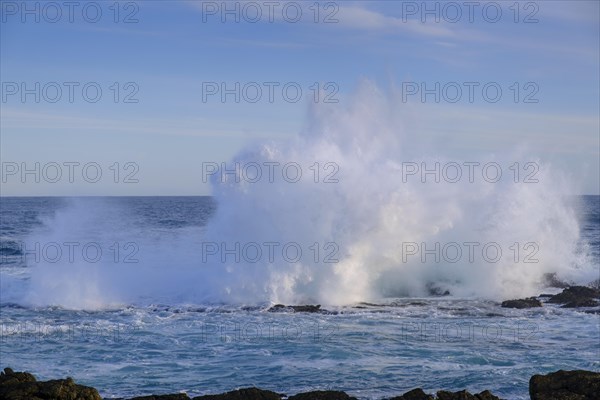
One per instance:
(360,18)
(13,119)
(363,19)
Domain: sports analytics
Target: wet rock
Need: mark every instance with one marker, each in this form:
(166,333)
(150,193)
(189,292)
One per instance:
(522,303)
(10,377)
(435,290)
(372,304)
(580,303)
(322,395)
(243,394)
(23,386)
(486,395)
(576,296)
(415,394)
(419,394)
(306,308)
(464,395)
(179,396)
(565,385)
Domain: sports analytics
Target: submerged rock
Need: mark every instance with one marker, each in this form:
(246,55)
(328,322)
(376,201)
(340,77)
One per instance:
(522,303)
(306,308)
(565,385)
(23,386)
(576,296)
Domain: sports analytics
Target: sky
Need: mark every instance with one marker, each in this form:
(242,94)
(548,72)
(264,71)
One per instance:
(138,94)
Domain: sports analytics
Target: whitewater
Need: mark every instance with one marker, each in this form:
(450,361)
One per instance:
(143,295)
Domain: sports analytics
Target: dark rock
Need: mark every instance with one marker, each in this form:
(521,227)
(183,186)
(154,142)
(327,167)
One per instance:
(576,295)
(565,385)
(179,396)
(462,395)
(419,394)
(415,394)
(580,303)
(372,304)
(23,386)
(486,395)
(243,394)
(522,303)
(434,290)
(322,395)
(306,308)
(10,377)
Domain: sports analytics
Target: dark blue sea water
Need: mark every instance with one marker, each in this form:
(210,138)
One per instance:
(108,290)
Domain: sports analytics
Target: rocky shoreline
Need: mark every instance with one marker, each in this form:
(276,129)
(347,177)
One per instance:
(570,297)
(559,385)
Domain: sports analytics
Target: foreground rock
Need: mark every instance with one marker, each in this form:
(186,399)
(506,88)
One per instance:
(522,303)
(179,396)
(419,394)
(322,395)
(464,395)
(243,394)
(577,296)
(415,394)
(23,386)
(560,385)
(565,385)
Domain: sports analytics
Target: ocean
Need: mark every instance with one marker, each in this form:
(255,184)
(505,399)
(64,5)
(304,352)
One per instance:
(142,295)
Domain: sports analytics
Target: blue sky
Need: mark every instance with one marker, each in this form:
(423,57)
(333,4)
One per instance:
(168,49)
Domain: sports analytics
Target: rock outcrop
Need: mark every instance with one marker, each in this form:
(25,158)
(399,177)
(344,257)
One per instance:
(24,386)
(560,385)
(243,394)
(322,395)
(180,396)
(464,395)
(522,303)
(576,296)
(415,394)
(565,385)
